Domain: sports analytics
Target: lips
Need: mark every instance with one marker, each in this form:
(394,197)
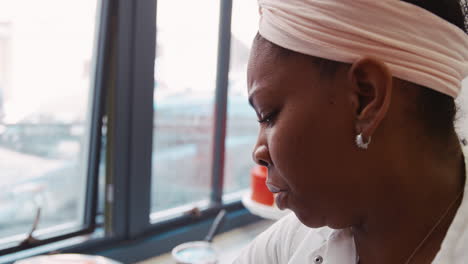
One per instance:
(274,188)
(281,194)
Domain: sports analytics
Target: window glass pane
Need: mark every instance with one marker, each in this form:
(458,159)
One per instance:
(242,126)
(185,76)
(46,52)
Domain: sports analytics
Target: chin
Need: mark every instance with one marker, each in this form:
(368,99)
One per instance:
(310,220)
(319,220)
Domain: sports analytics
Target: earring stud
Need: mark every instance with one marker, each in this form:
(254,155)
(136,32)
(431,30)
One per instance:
(360,142)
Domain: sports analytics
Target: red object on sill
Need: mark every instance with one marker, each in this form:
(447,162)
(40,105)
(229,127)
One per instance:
(260,192)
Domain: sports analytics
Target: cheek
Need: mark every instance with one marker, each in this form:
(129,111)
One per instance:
(310,150)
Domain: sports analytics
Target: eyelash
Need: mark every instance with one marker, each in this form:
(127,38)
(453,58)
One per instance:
(268,119)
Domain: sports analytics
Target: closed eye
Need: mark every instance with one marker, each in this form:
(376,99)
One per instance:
(269,118)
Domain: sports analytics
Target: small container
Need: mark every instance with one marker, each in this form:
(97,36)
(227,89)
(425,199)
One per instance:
(198,252)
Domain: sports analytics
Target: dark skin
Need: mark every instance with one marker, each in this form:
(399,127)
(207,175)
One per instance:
(390,195)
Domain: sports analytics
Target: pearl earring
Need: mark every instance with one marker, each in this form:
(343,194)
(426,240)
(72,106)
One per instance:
(360,142)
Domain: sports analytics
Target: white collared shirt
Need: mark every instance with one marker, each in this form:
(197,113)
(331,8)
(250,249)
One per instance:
(288,241)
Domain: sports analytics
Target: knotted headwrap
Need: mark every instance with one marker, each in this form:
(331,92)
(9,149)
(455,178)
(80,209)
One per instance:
(415,44)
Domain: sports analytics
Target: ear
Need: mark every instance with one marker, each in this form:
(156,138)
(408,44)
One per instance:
(371,83)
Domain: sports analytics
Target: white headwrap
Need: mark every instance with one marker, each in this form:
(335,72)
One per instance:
(415,44)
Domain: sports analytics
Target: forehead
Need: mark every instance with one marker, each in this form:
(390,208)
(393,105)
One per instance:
(265,55)
(270,65)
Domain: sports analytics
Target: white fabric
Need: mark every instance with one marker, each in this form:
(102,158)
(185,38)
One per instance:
(288,241)
(416,45)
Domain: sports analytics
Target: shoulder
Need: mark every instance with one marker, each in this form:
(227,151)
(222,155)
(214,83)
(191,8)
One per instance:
(279,242)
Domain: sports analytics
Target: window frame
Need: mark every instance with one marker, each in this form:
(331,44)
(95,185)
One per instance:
(124,85)
(94,147)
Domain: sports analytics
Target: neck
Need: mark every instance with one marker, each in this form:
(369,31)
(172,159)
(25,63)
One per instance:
(408,206)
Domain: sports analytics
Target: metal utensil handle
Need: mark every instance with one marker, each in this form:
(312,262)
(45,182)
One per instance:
(218,222)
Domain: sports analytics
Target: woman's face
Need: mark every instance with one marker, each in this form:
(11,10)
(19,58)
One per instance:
(306,138)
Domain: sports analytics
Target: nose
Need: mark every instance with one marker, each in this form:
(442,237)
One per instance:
(261,155)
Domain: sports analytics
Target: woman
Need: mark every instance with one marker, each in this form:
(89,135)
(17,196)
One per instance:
(355,101)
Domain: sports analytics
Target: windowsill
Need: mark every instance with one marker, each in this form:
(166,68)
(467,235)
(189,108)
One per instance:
(230,243)
(156,242)
(54,247)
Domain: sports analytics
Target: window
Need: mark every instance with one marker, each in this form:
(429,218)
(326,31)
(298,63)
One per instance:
(185,83)
(242,128)
(45,116)
(151,101)
(185,78)
(5,36)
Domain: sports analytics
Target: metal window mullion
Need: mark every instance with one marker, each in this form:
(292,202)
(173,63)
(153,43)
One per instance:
(144,42)
(224,47)
(132,119)
(119,121)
